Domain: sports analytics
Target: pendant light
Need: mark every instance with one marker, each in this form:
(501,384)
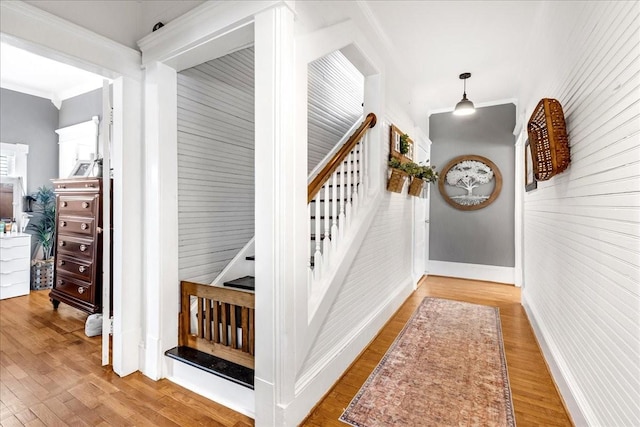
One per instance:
(464,107)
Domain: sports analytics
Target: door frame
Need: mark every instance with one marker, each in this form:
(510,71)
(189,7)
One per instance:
(39,32)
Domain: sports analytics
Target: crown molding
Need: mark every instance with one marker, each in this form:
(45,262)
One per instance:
(48,35)
(201,26)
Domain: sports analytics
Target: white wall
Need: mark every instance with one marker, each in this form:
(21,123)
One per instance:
(581,228)
(215,164)
(380,272)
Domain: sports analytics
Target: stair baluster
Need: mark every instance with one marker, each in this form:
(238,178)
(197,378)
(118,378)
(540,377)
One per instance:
(317,256)
(356,177)
(347,211)
(326,243)
(342,220)
(334,212)
(365,165)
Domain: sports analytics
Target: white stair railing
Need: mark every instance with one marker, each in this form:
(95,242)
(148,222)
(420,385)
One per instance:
(336,193)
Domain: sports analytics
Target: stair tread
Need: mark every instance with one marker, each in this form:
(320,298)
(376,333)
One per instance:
(246,282)
(214,365)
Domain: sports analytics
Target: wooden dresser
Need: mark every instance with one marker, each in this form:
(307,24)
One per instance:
(78,260)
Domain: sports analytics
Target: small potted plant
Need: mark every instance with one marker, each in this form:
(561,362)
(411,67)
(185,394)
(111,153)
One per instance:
(419,175)
(397,176)
(404,144)
(43,228)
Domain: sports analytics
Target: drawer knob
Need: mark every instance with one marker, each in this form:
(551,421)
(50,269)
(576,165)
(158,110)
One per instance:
(60,262)
(62,186)
(89,185)
(59,282)
(85,204)
(82,269)
(64,204)
(62,243)
(84,226)
(83,248)
(80,290)
(63,223)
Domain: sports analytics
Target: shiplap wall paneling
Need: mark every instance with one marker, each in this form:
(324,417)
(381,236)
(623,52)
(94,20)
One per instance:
(215,163)
(335,96)
(380,269)
(582,227)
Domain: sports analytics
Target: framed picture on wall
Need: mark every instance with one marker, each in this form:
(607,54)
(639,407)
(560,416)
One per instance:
(82,168)
(400,145)
(530,182)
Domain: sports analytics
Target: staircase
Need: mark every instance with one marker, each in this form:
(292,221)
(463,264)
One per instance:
(217,321)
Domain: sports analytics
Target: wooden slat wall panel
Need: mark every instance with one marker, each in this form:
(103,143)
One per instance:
(381,268)
(582,227)
(336,93)
(215,164)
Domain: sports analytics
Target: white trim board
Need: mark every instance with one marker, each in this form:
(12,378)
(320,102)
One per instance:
(563,380)
(234,396)
(489,273)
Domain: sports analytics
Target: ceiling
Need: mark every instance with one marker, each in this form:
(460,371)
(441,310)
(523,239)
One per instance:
(429,43)
(25,72)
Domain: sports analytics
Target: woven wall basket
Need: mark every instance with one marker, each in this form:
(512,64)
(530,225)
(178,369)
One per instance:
(548,139)
(396,180)
(415,188)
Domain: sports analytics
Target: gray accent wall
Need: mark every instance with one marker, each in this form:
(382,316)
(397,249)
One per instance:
(31,120)
(80,108)
(484,236)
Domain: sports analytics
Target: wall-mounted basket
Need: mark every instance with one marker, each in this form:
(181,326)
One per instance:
(416,186)
(548,138)
(396,180)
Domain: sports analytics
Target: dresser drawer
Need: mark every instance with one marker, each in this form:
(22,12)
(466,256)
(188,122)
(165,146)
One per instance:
(73,287)
(73,224)
(11,253)
(14,289)
(14,241)
(84,205)
(9,278)
(76,246)
(80,268)
(74,186)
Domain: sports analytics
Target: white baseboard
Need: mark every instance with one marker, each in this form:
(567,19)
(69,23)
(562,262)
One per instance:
(233,396)
(320,378)
(489,273)
(557,366)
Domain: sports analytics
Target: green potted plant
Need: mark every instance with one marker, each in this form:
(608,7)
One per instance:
(397,176)
(43,228)
(419,175)
(404,144)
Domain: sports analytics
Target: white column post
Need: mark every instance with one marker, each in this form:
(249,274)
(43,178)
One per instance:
(160,207)
(127,223)
(280,173)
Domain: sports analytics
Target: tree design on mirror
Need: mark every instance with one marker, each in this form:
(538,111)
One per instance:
(464,174)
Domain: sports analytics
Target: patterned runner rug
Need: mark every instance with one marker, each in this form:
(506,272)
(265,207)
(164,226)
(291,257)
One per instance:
(446,368)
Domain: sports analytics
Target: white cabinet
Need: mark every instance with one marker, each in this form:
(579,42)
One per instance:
(15,263)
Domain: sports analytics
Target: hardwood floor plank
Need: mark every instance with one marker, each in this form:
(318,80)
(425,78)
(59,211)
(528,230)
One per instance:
(51,374)
(535,398)
(48,364)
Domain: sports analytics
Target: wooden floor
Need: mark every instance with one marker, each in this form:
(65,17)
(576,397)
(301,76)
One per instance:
(50,372)
(535,399)
(50,375)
